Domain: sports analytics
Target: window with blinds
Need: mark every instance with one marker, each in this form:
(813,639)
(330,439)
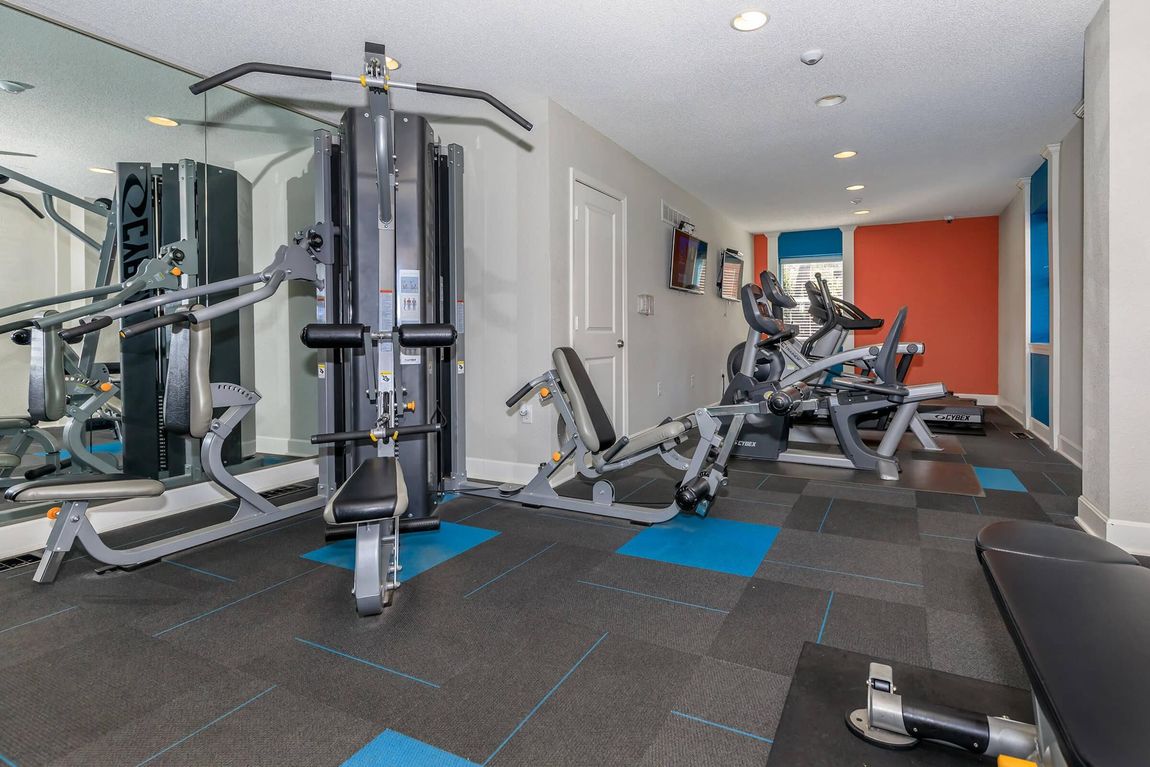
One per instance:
(796,273)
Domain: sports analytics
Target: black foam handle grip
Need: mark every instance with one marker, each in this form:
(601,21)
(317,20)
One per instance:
(468,93)
(523,392)
(162,321)
(406,525)
(615,449)
(427,335)
(340,436)
(417,428)
(255,66)
(72,335)
(323,335)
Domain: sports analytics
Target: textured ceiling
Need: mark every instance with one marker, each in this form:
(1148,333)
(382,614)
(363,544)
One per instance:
(90,100)
(947,102)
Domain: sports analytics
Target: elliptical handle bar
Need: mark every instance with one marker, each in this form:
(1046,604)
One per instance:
(251,67)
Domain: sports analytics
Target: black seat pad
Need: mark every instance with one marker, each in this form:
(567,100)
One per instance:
(370,493)
(1039,539)
(1083,632)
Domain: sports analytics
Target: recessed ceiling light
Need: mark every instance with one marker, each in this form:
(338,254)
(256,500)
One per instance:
(14,86)
(846,154)
(392,64)
(831,101)
(855,187)
(860,212)
(105,171)
(163,122)
(749,21)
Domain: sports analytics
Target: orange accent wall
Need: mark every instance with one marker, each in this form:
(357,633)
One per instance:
(760,257)
(947,277)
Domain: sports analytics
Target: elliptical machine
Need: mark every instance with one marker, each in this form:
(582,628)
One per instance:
(847,400)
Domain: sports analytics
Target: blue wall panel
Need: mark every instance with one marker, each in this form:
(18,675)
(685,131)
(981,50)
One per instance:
(1040,388)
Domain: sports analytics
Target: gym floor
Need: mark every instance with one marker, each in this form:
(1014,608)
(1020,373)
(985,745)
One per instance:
(520,637)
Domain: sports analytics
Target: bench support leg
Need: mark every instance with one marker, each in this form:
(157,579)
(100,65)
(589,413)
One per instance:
(69,521)
(376,564)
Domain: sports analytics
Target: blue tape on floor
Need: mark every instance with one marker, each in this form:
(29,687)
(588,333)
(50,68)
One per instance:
(728,728)
(722,545)
(998,479)
(418,552)
(394,749)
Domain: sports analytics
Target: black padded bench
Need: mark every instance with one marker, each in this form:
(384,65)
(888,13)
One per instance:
(1078,609)
(374,491)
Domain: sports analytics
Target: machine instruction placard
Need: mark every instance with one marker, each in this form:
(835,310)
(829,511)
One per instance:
(410,308)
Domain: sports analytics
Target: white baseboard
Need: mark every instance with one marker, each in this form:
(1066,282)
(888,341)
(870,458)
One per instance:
(1013,411)
(501,471)
(32,535)
(1041,431)
(1131,536)
(1069,450)
(509,471)
(285,446)
(986,400)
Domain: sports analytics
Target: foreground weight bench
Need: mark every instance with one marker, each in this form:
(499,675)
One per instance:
(1076,607)
(373,499)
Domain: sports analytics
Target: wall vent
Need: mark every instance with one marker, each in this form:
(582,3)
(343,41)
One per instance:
(672,217)
(21,561)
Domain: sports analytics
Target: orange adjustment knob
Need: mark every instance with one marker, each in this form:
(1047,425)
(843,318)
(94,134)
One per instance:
(177,271)
(1013,761)
(105,386)
(410,407)
(556,456)
(544,393)
(53,512)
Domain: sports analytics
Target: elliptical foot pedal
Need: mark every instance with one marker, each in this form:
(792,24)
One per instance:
(859,724)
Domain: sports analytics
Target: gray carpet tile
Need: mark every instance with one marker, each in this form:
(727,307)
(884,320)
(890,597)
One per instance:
(541,646)
(766,630)
(974,645)
(876,627)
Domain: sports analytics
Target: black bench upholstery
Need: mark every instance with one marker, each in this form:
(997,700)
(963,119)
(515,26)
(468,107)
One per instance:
(374,491)
(1078,609)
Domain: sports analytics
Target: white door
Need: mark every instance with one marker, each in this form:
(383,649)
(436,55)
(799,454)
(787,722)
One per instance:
(597,268)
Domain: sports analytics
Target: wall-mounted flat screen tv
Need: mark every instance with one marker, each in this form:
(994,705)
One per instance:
(688,263)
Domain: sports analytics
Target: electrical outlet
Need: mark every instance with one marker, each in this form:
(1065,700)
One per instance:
(659,389)
(526,415)
(692,383)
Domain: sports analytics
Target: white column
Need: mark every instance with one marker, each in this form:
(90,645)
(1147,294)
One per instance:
(849,264)
(1116,270)
(772,253)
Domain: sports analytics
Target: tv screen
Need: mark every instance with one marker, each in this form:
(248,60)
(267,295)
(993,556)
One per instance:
(688,263)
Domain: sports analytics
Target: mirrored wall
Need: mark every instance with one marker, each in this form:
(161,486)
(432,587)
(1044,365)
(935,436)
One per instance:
(113,173)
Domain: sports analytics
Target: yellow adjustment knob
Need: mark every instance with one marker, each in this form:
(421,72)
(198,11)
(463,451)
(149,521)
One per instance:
(53,512)
(395,436)
(373,437)
(177,271)
(544,393)
(556,456)
(410,407)
(1014,761)
(105,386)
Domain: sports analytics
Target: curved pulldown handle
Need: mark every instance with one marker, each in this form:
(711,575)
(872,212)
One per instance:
(252,67)
(162,321)
(72,335)
(468,93)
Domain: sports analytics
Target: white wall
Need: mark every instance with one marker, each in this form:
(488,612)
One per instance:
(1115,273)
(688,335)
(516,202)
(285,372)
(1070,294)
(1012,307)
(506,295)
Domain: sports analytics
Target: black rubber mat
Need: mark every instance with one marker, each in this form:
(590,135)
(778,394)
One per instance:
(829,682)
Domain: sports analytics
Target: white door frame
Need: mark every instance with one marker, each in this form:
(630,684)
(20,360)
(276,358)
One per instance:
(1048,433)
(576,176)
